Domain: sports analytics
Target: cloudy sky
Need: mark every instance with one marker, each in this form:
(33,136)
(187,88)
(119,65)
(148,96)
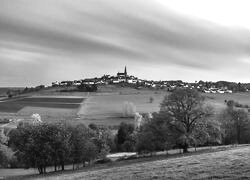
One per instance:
(47,40)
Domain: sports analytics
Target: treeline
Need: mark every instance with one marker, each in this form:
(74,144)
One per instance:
(42,145)
(81,88)
(235,87)
(15,92)
(184,121)
(87,88)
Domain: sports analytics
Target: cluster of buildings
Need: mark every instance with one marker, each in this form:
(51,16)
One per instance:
(121,77)
(125,78)
(217,90)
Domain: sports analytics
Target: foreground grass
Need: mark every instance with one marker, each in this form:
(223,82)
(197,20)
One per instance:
(229,164)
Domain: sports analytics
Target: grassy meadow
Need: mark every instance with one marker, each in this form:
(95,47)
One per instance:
(229,164)
(217,101)
(109,108)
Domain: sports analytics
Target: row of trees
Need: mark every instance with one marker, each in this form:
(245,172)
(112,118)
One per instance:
(87,88)
(43,145)
(185,120)
(235,87)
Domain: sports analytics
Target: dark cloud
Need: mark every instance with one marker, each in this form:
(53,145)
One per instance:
(104,35)
(59,41)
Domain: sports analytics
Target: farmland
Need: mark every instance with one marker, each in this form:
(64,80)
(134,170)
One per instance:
(104,107)
(48,107)
(50,102)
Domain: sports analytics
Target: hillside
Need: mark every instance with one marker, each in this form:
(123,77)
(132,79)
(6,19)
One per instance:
(229,164)
(106,106)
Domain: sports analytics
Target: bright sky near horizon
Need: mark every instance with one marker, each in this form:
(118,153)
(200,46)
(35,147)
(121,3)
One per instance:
(51,40)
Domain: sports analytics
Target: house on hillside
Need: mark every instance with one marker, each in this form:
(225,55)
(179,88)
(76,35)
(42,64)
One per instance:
(54,84)
(90,81)
(77,82)
(66,83)
(115,81)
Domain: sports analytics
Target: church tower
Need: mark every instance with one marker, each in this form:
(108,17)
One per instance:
(125,71)
(125,74)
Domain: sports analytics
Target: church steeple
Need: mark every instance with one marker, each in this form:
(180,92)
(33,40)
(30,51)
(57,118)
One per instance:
(125,74)
(125,71)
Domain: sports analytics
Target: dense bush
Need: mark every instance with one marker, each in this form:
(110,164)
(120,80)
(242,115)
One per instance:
(235,126)
(151,99)
(7,157)
(125,138)
(154,135)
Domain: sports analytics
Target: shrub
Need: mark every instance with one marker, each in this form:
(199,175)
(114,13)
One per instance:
(129,109)
(151,99)
(125,139)
(246,106)
(7,157)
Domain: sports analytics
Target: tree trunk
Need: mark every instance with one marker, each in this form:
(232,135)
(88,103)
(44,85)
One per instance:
(55,167)
(40,170)
(62,166)
(238,135)
(185,148)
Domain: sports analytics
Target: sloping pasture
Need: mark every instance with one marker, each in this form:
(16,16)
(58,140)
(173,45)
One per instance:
(108,108)
(231,164)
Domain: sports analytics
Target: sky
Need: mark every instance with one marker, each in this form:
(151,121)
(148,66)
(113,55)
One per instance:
(42,41)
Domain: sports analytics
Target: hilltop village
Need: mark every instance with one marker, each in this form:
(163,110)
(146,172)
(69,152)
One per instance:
(123,78)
